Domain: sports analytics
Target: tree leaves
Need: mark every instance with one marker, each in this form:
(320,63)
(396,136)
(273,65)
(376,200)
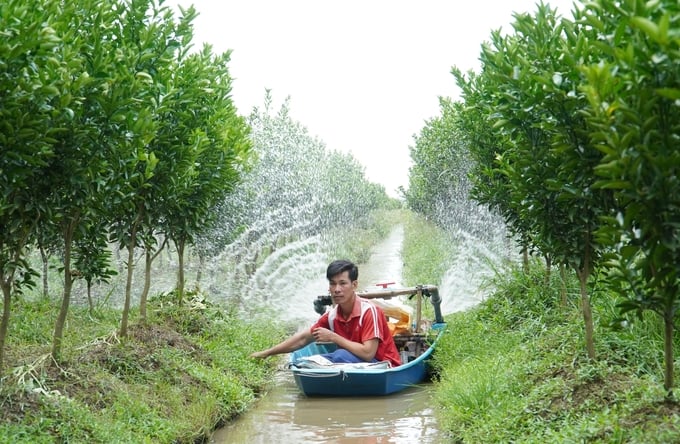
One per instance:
(571,122)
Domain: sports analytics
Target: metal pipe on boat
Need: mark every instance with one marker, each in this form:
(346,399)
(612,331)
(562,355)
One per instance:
(390,293)
(428,290)
(419,305)
(436,301)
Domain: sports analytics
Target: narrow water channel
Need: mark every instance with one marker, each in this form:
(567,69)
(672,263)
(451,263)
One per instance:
(286,416)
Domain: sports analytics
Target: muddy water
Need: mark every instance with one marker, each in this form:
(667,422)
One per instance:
(285,416)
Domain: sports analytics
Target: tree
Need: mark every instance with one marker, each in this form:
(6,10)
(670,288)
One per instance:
(553,181)
(100,154)
(213,142)
(36,93)
(441,178)
(487,143)
(149,40)
(531,93)
(523,122)
(634,93)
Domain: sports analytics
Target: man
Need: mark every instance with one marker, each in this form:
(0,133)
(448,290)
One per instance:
(355,325)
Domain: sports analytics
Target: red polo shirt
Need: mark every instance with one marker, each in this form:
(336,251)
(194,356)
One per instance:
(366,322)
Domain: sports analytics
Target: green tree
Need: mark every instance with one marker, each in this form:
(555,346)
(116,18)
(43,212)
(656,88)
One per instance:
(487,143)
(149,38)
(440,165)
(569,229)
(159,42)
(634,92)
(441,178)
(529,87)
(552,181)
(40,78)
(80,160)
(100,157)
(214,145)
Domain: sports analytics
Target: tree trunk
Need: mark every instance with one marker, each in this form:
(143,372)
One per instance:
(6,310)
(66,298)
(563,286)
(587,314)
(548,269)
(90,304)
(148,261)
(128,280)
(7,284)
(45,268)
(583,273)
(525,259)
(180,271)
(668,351)
(148,258)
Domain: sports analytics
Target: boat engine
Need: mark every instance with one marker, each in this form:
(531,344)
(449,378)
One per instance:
(321,302)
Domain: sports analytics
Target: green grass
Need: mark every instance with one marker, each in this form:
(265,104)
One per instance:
(170,381)
(514,369)
(427,253)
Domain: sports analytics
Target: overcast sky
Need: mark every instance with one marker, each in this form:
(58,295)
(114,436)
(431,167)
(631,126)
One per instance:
(362,75)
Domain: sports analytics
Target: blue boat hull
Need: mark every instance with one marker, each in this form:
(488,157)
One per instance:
(360,382)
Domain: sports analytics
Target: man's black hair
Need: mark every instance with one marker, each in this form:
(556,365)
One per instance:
(340,266)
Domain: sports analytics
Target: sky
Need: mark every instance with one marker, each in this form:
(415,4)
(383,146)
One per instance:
(364,76)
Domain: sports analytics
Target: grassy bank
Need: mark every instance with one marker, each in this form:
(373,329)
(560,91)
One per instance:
(427,251)
(172,380)
(515,370)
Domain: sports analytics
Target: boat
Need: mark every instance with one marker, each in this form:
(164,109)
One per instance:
(416,345)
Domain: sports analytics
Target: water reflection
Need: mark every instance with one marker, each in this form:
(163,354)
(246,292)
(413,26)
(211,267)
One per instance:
(286,416)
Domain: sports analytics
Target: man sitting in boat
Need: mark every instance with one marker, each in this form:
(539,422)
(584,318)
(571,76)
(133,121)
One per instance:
(357,326)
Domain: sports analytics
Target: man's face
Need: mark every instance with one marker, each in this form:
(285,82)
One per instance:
(341,287)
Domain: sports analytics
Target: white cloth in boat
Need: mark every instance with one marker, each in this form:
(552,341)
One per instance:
(318,361)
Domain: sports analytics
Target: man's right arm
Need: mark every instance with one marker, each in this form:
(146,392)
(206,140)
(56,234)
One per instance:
(295,342)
